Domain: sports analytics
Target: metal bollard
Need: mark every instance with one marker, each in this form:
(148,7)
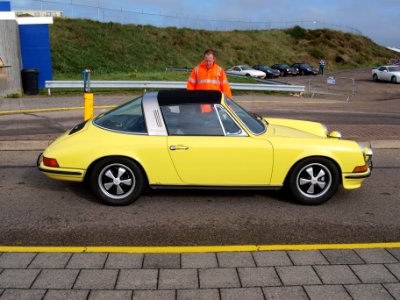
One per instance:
(88,97)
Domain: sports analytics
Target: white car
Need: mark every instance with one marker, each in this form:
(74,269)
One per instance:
(246,70)
(386,73)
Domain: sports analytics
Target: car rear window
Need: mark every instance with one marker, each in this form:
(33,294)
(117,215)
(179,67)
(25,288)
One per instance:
(125,118)
(394,69)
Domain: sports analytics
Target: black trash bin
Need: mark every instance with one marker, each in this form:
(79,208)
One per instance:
(30,81)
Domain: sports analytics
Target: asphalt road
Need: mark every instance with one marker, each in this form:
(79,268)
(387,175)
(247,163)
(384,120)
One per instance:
(55,123)
(35,210)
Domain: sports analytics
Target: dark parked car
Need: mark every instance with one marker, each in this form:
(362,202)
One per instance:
(305,69)
(285,69)
(271,73)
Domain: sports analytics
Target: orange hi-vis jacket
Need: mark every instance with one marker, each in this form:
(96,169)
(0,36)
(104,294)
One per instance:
(213,78)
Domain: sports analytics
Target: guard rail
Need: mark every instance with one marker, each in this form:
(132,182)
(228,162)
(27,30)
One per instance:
(113,84)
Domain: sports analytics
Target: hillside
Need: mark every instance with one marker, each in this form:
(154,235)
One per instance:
(114,48)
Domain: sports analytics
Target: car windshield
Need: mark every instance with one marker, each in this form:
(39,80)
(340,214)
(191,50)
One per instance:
(125,118)
(246,68)
(254,124)
(305,65)
(394,69)
(284,66)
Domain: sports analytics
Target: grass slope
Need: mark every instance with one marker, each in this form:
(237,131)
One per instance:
(130,51)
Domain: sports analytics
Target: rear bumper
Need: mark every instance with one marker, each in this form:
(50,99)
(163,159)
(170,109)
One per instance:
(60,173)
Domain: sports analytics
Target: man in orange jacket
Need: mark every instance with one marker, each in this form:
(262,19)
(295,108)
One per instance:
(209,76)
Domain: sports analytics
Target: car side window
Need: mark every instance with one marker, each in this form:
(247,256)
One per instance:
(236,69)
(382,69)
(192,119)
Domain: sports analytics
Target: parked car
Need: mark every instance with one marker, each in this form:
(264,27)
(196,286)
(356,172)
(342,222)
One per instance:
(246,70)
(168,139)
(387,73)
(285,69)
(305,69)
(271,73)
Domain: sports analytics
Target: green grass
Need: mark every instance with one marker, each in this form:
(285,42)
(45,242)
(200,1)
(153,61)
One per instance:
(157,76)
(137,52)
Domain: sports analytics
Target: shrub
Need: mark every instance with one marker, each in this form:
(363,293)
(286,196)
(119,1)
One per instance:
(338,59)
(316,53)
(297,32)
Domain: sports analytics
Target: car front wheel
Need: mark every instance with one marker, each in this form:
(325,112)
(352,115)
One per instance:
(117,181)
(375,77)
(394,80)
(314,180)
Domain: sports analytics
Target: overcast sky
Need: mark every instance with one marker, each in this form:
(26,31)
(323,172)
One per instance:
(377,19)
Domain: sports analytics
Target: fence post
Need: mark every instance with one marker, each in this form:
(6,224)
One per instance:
(87,96)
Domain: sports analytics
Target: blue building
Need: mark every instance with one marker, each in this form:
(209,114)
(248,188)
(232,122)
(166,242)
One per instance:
(34,43)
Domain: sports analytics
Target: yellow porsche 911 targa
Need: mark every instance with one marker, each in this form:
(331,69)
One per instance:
(202,139)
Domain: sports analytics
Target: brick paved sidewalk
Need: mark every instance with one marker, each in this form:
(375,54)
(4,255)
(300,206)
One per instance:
(326,274)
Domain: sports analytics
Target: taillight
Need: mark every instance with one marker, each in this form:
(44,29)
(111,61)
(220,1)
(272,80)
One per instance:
(50,162)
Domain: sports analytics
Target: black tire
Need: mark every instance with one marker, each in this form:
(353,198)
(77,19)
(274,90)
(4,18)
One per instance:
(117,181)
(375,77)
(393,80)
(313,180)
(248,75)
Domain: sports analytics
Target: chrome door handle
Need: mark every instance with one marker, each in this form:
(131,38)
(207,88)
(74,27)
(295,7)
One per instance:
(180,147)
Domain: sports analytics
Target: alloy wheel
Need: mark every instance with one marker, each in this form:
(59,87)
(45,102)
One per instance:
(314,180)
(116,181)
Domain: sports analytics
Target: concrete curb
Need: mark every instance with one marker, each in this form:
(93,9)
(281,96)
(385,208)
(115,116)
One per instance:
(24,145)
(385,144)
(39,145)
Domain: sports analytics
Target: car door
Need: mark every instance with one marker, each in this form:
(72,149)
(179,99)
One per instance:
(211,149)
(384,74)
(237,70)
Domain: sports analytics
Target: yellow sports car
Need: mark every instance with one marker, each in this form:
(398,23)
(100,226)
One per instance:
(202,139)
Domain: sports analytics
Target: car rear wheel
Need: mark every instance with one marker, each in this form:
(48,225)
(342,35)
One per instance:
(117,181)
(314,180)
(394,80)
(375,77)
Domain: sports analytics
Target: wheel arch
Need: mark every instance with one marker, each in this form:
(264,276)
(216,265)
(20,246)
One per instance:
(316,157)
(91,166)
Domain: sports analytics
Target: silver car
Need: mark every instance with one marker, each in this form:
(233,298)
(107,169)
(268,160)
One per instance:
(386,73)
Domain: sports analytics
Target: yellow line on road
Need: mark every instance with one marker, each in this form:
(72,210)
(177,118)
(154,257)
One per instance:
(195,249)
(284,101)
(40,110)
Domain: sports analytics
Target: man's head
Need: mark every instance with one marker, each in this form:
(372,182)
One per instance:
(209,57)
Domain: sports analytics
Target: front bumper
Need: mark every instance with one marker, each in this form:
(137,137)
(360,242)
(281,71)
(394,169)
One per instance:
(361,175)
(354,180)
